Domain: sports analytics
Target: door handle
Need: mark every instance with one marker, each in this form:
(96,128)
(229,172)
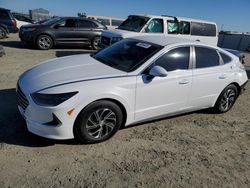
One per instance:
(223,76)
(184,81)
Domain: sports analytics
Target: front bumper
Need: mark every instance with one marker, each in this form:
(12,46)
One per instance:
(26,36)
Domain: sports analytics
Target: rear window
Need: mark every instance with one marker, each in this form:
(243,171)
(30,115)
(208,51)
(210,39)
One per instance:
(203,29)
(226,58)
(4,15)
(116,22)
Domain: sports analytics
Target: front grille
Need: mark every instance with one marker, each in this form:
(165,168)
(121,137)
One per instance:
(105,40)
(21,98)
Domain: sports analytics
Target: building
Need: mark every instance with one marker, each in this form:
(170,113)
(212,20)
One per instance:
(39,14)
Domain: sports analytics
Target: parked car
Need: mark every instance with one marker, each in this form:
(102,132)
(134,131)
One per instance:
(187,28)
(109,22)
(22,20)
(66,30)
(90,96)
(7,23)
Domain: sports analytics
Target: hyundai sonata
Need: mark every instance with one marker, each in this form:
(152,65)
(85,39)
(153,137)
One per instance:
(88,97)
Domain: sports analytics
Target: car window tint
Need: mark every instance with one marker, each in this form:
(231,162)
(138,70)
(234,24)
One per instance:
(86,24)
(104,21)
(226,58)
(175,59)
(206,57)
(203,29)
(4,15)
(155,26)
(184,28)
(70,23)
(173,27)
(116,22)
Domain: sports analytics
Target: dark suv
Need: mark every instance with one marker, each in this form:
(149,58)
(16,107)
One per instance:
(66,30)
(7,23)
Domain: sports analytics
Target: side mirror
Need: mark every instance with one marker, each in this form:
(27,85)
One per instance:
(158,71)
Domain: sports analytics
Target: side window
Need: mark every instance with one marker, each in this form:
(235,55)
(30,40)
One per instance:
(68,23)
(203,29)
(86,24)
(104,21)
(226,58)
(173,27)
(116,22)
(175,59)
(206,57)
(4,15)
(155,26)
(184,28)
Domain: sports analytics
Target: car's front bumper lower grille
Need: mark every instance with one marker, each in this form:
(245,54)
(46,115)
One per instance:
(21,98)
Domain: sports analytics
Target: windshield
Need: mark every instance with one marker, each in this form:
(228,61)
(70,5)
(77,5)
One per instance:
(127,55)
(134,23)
(50,21)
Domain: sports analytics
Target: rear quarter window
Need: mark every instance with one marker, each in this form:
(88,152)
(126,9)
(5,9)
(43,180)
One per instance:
(203,29)
(226,59)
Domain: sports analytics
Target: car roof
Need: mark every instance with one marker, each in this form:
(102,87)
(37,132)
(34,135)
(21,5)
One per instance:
(164,40)
(179,18)
(4,9)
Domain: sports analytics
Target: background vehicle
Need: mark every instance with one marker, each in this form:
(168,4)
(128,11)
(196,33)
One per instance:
(90,96)
(191,29)
(109,22)
(66,30)
(22,20)
(7,23)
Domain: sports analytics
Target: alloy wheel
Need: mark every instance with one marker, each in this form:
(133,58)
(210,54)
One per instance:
(228,99)
(101,123)
(44,42)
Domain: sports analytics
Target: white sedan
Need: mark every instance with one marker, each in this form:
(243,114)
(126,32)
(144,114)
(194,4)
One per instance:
(88,97)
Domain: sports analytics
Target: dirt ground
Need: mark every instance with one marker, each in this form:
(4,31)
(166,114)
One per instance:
(199,149)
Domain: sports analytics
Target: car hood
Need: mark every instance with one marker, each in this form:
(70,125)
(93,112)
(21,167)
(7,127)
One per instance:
(119,33)
(65,70)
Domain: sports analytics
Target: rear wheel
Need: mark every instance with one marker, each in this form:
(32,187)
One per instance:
(44,42)
(3,33)
(226,99)
(95,43)
(98,122)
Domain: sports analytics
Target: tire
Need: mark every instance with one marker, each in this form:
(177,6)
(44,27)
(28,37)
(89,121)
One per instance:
(95,43)
(98,122)
(3,33)
(44,42)
(226,99)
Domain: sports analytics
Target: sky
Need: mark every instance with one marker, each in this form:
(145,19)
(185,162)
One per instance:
(230,15)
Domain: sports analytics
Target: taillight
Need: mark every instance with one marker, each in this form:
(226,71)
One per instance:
(13,22)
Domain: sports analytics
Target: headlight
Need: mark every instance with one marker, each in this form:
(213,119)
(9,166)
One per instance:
(51,99)
(29,29)
(116,39)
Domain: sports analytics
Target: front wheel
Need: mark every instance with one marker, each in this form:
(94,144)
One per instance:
(226,99)
(98,122)
(44,42)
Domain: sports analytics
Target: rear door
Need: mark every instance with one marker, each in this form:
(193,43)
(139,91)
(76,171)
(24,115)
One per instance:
(86,30)
(210,77)
(65,30)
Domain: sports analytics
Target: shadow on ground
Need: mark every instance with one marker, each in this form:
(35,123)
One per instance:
(13,127)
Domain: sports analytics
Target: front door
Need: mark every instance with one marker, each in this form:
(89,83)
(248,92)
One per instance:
(165,95)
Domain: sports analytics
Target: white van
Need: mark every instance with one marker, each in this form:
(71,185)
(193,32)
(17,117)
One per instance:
(134,25)
(110,22)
